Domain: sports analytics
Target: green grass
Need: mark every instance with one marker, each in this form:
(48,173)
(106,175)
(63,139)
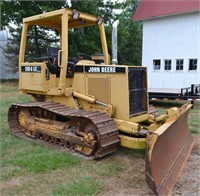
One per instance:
(173,103)
(31,169)
(84,186)
(194,115)
(35,158)
(194,121)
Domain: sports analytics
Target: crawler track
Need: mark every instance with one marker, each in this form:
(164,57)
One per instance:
(108,139)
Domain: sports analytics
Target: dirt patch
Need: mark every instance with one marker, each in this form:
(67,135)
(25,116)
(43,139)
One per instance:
(38,184)
(189,182)
(11,183)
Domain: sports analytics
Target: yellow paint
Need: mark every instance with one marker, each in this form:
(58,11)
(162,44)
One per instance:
(131,142)
(127,127)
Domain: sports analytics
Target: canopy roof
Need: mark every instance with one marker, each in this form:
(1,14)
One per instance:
(53,19)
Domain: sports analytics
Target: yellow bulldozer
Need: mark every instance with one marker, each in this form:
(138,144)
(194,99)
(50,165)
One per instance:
(91,106)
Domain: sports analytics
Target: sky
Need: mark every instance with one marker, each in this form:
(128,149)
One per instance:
(116,11)
(69,1)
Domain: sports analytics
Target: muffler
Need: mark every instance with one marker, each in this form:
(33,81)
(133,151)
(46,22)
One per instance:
(114,42)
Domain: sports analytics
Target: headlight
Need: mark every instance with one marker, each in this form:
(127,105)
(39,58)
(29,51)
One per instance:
(99,20)
(75,14)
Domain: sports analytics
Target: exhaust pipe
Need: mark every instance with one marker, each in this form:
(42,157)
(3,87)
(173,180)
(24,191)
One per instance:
(114,42)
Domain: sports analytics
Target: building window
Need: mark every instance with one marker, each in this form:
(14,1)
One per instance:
(179,64)
(168,64)
(156,64)
(192,64)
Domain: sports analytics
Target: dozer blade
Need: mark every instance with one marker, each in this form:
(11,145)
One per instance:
(167,151)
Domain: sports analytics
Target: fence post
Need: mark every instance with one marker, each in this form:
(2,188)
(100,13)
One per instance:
(192,89)
(192,102)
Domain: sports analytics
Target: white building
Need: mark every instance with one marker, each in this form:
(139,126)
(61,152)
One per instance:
(5,72)
(171,43)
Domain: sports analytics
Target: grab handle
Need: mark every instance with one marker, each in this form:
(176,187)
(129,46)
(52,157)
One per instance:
(59,63)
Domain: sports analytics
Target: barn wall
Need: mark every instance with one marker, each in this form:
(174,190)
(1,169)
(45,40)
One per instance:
(172,37)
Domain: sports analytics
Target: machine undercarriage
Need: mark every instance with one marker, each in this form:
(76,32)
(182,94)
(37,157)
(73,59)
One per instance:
(92,134)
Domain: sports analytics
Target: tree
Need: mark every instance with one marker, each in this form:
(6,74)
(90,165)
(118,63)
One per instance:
(15,11)
(88,41)
(130,35)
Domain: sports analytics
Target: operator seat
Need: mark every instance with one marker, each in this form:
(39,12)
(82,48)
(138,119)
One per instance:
(52,64)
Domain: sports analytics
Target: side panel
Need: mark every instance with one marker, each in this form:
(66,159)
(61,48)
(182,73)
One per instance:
(125,87)
(109,88)
(108,84)
(99,88)
(32,77)
(120,96)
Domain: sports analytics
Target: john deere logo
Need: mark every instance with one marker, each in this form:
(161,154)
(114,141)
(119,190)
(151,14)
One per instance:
(101,69)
